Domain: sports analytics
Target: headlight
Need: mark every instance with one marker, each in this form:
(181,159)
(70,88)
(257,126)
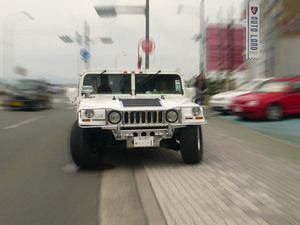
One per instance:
(171,116)
(89,113)
(252,103)
(196,111)
(114,117)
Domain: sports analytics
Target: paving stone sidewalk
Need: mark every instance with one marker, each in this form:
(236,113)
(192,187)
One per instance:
(232,185)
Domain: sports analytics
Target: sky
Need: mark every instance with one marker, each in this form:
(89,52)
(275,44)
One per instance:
(34,44)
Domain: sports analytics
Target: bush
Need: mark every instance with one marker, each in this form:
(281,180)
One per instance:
(215,86)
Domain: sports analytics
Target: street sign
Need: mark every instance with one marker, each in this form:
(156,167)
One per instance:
(253,30)
(148,45)
(85,54)
(106,11)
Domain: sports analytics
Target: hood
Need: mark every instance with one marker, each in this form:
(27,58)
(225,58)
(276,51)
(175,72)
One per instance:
(134,102)
(24,93)
(229,94)
(261,96)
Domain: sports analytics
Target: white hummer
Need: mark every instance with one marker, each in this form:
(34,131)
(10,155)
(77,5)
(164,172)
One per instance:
(142,108)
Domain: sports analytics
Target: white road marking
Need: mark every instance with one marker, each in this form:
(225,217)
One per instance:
(60,100)
(71,107)
(23,122)
(70,168)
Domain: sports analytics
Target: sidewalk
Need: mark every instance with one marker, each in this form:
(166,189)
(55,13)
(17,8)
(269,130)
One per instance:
(236,183)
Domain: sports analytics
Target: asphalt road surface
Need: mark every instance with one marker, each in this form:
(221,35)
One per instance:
(41,185)
(36,185)
(245,177)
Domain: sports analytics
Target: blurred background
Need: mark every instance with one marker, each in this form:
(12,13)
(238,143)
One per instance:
(57,41)
(250,169)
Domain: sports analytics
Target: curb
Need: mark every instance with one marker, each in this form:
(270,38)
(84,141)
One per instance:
(148,199)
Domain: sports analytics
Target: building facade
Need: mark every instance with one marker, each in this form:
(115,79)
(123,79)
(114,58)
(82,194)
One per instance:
(280,39)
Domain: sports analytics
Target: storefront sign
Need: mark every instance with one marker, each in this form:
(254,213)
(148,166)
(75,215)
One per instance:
(253,30)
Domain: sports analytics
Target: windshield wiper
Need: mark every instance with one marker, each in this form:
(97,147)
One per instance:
(158,72)
(150,77)
(102,72)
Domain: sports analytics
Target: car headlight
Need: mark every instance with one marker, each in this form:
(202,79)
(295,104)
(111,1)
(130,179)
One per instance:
(172,116)
(114,117)
(89,113)
(196,111)
(252,103)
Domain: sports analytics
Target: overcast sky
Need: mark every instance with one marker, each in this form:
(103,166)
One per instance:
(37,47)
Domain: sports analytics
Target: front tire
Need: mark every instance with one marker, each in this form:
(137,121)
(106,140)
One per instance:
(274,112)
(191,144)
(85,151)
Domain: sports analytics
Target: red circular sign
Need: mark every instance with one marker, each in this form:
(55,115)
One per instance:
(148,45)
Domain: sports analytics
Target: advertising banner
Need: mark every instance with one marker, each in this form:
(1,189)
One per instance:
(253,30)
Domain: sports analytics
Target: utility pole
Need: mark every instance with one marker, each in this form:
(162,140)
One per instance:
(147,33)
(113,11)
(86,45)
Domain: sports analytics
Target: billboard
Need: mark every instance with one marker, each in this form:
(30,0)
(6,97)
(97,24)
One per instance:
(253,30)
(225,47)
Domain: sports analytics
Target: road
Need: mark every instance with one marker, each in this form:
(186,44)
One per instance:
(35,189)
(245,177)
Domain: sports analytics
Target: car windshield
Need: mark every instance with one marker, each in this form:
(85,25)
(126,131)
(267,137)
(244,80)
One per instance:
(249,86)
(26,85)
(145,83)
(273,86)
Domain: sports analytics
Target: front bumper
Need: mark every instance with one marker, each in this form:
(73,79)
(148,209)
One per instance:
(147,137)
(220,106)
(22,104)
(247,111)
(145,128)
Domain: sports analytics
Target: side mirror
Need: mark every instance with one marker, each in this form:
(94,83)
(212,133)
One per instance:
(72,94)
(87,90)
(190,92)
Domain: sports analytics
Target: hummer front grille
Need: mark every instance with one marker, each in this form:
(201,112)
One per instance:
(145,117)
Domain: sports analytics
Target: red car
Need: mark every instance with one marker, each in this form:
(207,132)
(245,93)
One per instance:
(274,99)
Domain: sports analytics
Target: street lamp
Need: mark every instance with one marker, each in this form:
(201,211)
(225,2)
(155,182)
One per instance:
(113,11)
(7,37)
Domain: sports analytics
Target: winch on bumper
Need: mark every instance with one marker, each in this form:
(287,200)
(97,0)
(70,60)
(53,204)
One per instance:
(150,137)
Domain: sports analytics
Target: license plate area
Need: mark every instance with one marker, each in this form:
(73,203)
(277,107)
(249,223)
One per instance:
(146,141)
(14,103)
(237,109)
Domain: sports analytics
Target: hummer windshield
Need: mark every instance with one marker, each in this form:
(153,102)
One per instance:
(144,83)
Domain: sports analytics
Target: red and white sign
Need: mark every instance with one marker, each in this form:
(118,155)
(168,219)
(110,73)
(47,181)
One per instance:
(253,30)
(148,45)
